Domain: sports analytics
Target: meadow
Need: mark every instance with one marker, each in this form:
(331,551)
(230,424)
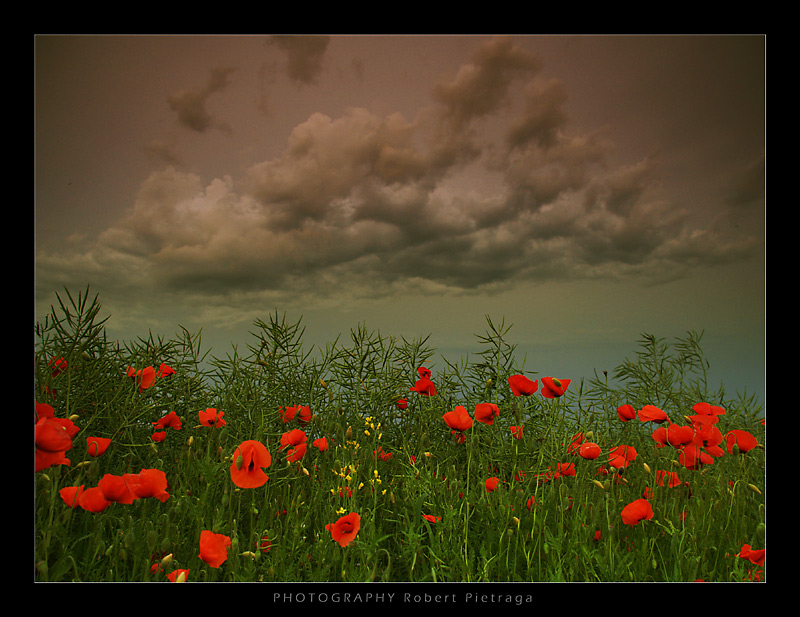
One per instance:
(373,460)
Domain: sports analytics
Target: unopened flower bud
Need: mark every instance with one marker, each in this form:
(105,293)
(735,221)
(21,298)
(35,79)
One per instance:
(754,488)
(190,441)
(181,578)
(166,560)
(647,467)
(599,484)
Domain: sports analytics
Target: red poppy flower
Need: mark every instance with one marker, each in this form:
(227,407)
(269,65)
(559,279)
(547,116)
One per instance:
(265,545)
(214,548)
(553,388)
(159,436)
(92,500)
(458,420)
(516,431)
(669,477)
(576,442)
(321,444)
(180,575)
(115,489)
(626,413)
(59,366)
(589,450)
(401,403)
(755,557)
(694,457)
(71,495)
(301,412)
(742,439)
(565,469)
(383,455)
(637,511)
(431,518)
(42,410)
(522,386)
(621,456)
(424,386)
(673,435)
(165,371)
(97,446)
(148,483)
(52,438)
(491,484)
(486,412)
(249,460)
(345,529)
(211,417)
(52,435)
(145,377)
(707,409)
(170,420)
(295,441)
(708,437)
(651,413)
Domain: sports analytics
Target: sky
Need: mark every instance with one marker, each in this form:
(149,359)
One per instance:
(584,189)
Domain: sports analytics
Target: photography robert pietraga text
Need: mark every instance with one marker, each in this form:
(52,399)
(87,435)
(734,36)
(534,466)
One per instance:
(404,597)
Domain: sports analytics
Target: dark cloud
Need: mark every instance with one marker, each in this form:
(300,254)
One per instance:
(190,104)
(369,204)
(304,55)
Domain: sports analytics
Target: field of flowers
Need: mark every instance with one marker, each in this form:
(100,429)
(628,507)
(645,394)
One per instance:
(371,460)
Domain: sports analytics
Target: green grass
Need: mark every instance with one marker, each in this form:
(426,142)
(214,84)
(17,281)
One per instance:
(573,532)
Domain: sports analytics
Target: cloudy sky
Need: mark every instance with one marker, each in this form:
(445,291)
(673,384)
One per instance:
(585,189)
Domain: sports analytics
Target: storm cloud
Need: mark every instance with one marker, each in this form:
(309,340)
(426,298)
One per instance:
(489,185)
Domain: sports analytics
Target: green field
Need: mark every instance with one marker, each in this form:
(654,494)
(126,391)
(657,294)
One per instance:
(373,460)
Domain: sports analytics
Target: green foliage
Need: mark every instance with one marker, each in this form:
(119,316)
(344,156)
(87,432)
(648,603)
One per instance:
(390,465)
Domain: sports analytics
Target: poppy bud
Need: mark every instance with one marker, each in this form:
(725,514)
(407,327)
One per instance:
(167,560)
(239,462)
(349,434)
(181,578)
(754,488)
(190,441)
(646,467)
(599,484)
(152,536)
(74,417)
(249,554)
